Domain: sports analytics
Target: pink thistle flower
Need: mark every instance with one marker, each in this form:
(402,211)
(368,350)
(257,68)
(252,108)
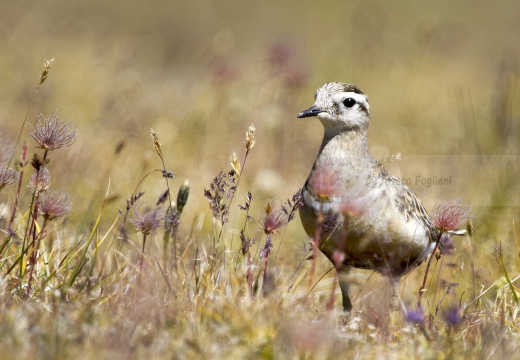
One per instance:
(273,221)
(450,215)
(326,183)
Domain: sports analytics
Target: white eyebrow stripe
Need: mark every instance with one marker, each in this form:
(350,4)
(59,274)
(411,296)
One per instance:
(361,99)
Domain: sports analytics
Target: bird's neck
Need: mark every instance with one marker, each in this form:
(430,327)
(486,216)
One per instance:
(344,145)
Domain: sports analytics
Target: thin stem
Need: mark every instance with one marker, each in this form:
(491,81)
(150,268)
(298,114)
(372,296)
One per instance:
(315,247)
(423,286)
(142,254)
(15,207)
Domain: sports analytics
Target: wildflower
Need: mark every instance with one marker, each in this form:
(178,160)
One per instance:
(167,174)
(265,251)
(223,187)
(171,221)
(51,134)
(7,176)
(446,245)
(149,221)
(247,205)
(273,221)
(132,199)
(54,205)
(415,316)
(246,242)
(40,180)
(326,183)
(164,196)
(453,317)
(291,205)
(451,215)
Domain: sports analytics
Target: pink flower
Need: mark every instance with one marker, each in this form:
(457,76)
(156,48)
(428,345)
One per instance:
(273,221)
(450,215)
(326,183)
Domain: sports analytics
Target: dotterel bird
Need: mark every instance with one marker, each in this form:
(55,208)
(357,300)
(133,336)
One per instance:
(365,217)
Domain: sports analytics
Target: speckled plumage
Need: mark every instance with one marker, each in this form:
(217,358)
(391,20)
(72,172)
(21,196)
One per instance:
(377,221)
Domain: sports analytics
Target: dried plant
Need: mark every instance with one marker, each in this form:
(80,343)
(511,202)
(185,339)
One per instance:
(7,176)
(54,205)
(51,134)
(40,180)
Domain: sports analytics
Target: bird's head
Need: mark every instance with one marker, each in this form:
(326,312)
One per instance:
(340,107)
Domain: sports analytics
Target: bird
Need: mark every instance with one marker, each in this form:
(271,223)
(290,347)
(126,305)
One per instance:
(361,215)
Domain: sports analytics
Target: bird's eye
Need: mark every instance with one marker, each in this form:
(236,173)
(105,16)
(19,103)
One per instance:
(349,102)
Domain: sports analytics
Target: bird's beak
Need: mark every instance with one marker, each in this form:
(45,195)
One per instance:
(312,111)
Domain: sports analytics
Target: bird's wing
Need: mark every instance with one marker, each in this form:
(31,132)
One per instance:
(409,204)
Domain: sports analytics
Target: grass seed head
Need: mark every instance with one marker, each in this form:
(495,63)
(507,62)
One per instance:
(250,138)
(46,69)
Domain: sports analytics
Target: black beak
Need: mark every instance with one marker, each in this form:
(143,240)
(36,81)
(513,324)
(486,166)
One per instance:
(312,111)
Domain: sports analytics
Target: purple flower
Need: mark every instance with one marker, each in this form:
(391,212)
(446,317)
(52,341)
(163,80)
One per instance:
(149,221)
(415,316)
(453,316)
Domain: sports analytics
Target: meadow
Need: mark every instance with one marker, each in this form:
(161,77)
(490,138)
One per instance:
(151,158)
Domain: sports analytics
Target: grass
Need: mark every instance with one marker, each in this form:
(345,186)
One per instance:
(115,258)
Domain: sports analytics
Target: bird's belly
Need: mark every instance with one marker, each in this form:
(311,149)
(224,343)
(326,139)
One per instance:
(372,242)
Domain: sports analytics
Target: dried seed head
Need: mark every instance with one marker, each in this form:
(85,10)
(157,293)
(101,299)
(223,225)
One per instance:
(45,72)
(250,138)
(40,180)
(235,164)
(391,158)
(7,176)
(149,221)
(50,134)
(54,205)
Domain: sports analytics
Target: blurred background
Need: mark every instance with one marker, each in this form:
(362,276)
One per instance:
(442,80)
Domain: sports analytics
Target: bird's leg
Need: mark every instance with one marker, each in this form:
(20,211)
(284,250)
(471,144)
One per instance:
(344,286)
(395,300)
